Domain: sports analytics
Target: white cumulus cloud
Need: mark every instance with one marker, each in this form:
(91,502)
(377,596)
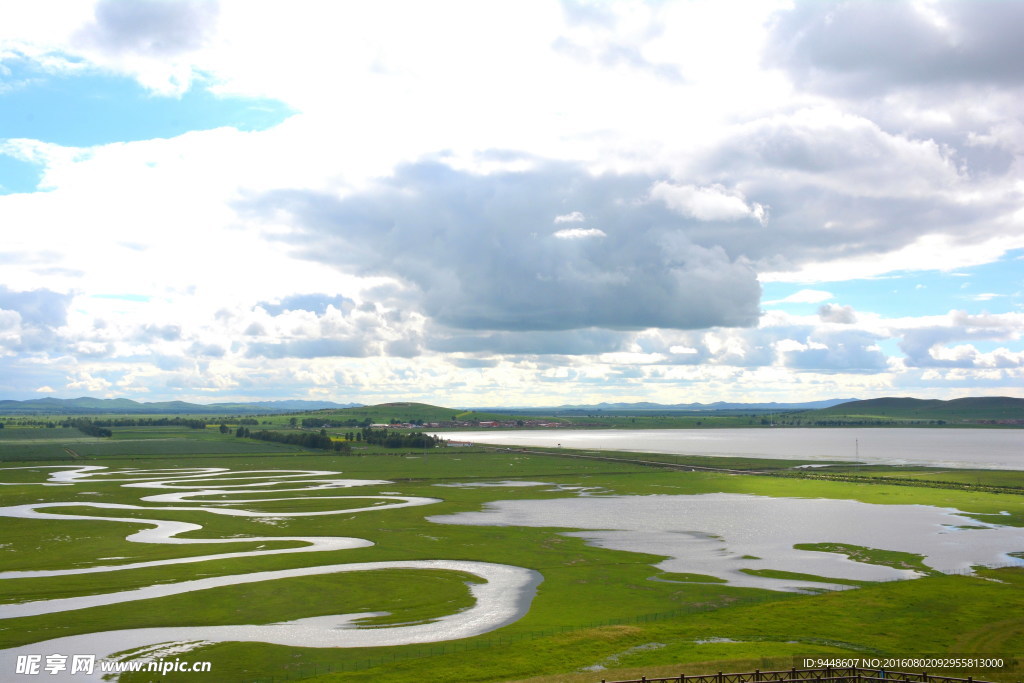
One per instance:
(713,203)
(574,217)
(579,233)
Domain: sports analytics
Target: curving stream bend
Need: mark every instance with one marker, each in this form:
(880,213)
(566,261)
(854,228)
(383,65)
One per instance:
(504,597)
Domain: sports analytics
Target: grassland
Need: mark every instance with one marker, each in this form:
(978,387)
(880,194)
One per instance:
(596,607)
(974,411)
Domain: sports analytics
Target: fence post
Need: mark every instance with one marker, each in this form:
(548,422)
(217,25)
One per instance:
(757,675)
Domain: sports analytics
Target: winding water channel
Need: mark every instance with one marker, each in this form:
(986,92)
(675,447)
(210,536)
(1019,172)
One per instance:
(503,597)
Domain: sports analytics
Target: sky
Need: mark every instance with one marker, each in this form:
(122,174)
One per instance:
(528,203)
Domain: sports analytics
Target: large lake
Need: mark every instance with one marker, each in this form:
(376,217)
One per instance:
(964,448)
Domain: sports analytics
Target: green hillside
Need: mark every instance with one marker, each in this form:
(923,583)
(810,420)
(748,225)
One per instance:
(980,409)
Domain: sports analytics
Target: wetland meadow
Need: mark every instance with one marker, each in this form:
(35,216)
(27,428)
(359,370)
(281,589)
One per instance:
(271,561)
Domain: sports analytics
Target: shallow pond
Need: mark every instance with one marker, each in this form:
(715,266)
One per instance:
(723,534)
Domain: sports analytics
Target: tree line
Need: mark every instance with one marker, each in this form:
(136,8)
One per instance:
(139,422)
(306,439)
(317,422)
(87,427)
(395,439)
(375,437)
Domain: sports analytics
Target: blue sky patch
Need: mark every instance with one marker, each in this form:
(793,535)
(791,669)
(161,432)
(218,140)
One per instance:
(18,176)
(95,109)
(996,287)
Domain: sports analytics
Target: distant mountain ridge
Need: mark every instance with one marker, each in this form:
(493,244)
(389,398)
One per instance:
(717,405)
(87,405)
(978,408)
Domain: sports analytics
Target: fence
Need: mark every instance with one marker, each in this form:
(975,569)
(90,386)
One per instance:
(826,675)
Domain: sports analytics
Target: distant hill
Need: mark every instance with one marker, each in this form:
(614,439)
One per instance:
(977,410)
(402,411)
(96,406)
(385,412)
(411,412)
(288,405)
(972,409)
(642,408)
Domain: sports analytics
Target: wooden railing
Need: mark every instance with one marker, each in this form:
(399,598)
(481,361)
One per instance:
(826,675)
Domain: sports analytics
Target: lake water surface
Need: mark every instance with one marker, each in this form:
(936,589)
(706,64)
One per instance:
(961,448)
(725,535)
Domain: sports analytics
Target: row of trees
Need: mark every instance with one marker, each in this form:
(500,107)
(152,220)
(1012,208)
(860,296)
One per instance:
(141,422)
(306,439)
(376,437)
(87,427)
(224,429)
(389,439)
(315,422)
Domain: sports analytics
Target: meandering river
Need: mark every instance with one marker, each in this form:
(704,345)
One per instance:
(503,597)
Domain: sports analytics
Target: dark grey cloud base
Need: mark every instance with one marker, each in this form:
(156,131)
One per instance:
(869,48)
(483,252)
(154,28)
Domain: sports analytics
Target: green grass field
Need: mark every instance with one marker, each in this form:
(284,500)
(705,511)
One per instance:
(1002,478)
(974,411)
(599,614)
